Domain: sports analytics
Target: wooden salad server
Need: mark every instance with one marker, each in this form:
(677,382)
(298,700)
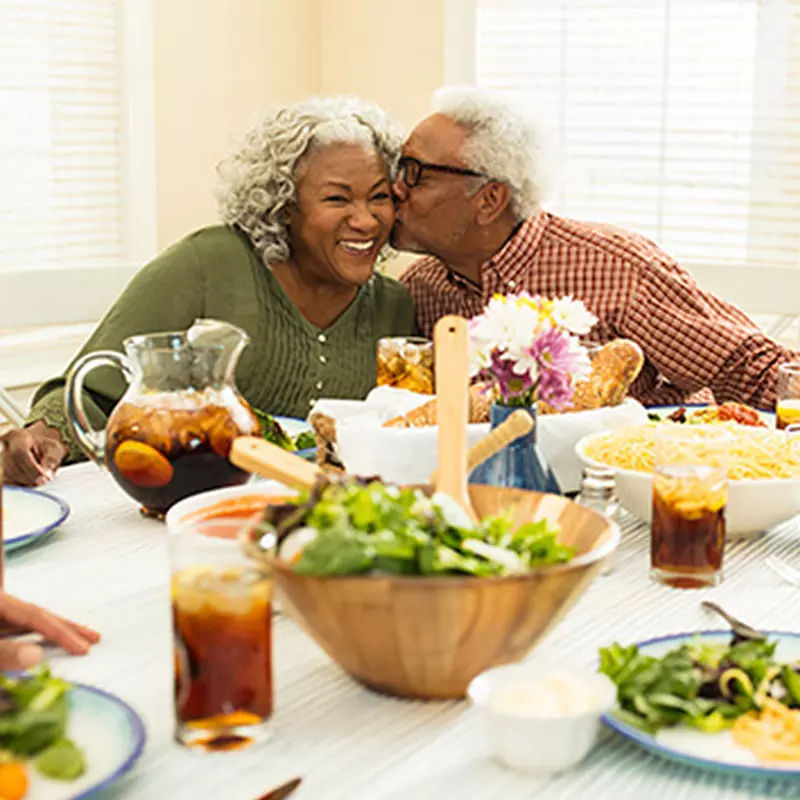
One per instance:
(452,398)
(517,424)
(253,454)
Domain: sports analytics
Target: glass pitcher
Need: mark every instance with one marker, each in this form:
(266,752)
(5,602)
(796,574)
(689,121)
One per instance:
(170,435)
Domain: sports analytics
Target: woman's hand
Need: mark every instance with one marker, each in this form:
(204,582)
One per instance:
(33,454)
(18,617)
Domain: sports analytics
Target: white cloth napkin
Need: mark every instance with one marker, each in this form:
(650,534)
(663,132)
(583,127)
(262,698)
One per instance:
(409,455)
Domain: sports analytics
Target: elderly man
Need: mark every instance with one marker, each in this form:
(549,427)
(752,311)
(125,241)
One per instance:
(469,189)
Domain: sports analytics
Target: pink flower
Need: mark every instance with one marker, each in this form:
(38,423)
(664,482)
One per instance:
(505,371)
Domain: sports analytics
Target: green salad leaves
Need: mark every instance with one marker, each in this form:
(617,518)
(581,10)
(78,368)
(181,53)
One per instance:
(273,432)
(33,723)
(697,684)
(369,527)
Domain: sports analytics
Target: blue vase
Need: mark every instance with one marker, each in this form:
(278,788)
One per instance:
(520,465)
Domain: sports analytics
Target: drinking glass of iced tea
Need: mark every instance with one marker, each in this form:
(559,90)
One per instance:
(222,626)
(787,406)
(690,491)
(406,363)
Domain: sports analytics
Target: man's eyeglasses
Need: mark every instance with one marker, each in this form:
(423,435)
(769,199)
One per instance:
(410,170)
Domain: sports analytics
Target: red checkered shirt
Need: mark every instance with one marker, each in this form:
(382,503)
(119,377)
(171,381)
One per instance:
(691,339)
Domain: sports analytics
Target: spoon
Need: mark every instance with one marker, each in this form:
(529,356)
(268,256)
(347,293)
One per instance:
(452,398)
(256,455)
(739,628)
(786,571)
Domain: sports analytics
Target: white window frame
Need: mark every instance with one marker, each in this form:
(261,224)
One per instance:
(755,289)
(53,296)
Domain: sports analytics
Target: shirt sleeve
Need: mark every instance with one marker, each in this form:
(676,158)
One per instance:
(166,294)
(697,340)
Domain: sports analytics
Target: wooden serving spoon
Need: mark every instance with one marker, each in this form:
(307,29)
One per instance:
(452,398)
(263,458)
(517,424)
(253,454)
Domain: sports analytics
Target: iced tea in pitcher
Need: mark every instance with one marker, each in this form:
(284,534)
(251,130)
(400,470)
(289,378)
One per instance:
(159,453)
(170,434)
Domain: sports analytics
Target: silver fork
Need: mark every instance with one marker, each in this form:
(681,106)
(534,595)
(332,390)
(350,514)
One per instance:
(786,571)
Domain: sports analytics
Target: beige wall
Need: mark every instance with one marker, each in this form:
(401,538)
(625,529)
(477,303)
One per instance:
(365,50)
(362,51)
(217,64)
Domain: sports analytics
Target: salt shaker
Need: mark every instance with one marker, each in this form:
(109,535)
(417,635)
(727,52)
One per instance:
(599,492)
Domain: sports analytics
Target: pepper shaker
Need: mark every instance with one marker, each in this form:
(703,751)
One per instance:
(599,492)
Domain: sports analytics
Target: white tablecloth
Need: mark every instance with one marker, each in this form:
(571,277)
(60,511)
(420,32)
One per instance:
(107,567)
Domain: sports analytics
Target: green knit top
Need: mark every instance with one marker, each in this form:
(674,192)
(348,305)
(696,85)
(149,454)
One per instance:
(289,363)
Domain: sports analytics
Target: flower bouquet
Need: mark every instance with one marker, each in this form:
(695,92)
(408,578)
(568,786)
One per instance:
(527,349)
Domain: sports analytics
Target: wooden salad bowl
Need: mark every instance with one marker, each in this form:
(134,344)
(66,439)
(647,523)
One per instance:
(427,637)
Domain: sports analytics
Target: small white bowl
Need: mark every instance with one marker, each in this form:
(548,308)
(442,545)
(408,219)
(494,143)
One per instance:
(541,744)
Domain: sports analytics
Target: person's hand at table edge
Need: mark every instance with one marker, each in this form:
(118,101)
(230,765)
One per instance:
(33,454)
(19,617)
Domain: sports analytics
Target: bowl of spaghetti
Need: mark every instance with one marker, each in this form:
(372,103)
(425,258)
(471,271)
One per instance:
(763,477)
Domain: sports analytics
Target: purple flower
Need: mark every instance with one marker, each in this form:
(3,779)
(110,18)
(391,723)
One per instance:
(555,388)
(557,361)
(505,372)
(552,351)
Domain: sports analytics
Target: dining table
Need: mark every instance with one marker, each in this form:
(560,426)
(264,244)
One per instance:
(107,566)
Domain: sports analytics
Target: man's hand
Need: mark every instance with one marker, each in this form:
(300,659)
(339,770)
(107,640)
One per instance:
(33,454)
(19,617)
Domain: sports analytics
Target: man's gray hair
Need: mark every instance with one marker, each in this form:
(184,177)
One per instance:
(501,143)
(257,181)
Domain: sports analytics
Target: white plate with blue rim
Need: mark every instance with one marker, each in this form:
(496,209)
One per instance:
(711,751)
(29,515)
(664,411)
(111,736)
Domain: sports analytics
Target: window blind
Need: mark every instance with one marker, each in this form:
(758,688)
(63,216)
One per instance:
(60,198)
(677,119)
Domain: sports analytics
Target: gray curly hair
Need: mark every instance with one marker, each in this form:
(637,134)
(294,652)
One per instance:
(257,180)
(501,142)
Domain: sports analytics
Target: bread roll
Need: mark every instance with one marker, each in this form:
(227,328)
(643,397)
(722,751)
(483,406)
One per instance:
(614,368)
(480,401)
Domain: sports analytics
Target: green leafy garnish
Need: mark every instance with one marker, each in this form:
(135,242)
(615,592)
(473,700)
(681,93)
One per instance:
(273,432)
(62,761)
(370,527)
(33,723)
(698,684)
(305,441)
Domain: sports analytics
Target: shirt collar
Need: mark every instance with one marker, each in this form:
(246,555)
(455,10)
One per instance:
(512,260)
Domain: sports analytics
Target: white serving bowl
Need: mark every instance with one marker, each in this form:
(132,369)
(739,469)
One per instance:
(541,744)
(753,506)
(198,505)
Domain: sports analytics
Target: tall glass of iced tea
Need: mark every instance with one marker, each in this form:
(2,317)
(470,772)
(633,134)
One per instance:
(406,362)
(222,625)
(690,492)
(787,406)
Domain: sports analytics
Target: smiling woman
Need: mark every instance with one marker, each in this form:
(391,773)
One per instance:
(306,206)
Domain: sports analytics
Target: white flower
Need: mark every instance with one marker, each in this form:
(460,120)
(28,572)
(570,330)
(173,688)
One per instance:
(573,315)
(582,364)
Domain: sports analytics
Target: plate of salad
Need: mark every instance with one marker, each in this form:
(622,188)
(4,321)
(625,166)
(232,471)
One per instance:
(61,740)
(295,435)
(711,699)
